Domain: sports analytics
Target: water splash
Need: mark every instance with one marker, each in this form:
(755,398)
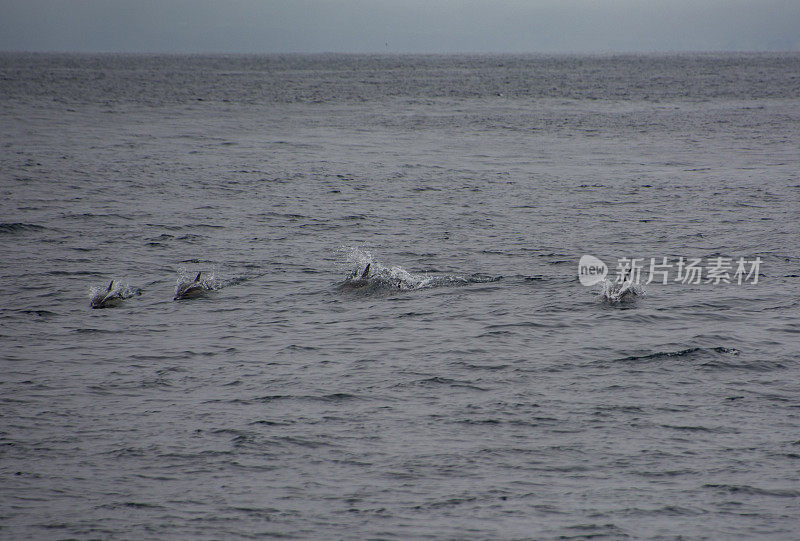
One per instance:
(616,292)
(209,279)
(365,271)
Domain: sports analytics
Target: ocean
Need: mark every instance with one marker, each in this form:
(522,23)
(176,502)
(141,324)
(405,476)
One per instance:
(392,338)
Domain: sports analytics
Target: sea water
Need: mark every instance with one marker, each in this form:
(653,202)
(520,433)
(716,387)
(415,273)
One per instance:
(469,386)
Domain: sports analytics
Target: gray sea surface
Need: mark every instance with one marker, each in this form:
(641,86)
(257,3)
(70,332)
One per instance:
(466,386)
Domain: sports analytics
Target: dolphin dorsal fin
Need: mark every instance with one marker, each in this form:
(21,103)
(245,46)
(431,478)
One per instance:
(198,276)
(366,271)
(110,285)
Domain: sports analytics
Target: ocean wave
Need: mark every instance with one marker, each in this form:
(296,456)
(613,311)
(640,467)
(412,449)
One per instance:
(751,490)
(710,359)
(683,353)
(19,227)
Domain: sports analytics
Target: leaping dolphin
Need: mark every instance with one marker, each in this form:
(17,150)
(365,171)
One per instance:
(190,290)
(625,290)
(107,298)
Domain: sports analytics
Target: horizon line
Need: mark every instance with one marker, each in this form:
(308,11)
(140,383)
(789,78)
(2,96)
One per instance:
(621,52)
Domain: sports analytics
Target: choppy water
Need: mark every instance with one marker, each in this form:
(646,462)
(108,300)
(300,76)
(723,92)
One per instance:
(468,387)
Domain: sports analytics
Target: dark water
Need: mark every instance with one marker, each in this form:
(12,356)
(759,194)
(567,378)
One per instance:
(469,387)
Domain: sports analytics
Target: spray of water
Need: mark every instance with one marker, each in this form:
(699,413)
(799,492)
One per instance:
(364,270)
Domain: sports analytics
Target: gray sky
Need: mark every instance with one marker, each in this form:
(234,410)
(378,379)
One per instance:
(414,26)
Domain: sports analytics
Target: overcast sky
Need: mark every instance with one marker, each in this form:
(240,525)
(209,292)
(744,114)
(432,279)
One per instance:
(413,26)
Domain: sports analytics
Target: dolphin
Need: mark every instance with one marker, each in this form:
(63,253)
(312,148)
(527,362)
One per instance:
(628,287)
(107,298)
(189,290)
(625,290)
(358,279)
